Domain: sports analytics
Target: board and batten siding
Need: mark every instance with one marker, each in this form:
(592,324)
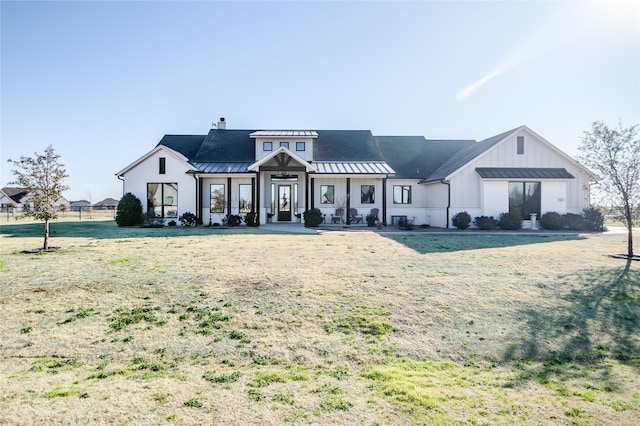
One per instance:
(148,171)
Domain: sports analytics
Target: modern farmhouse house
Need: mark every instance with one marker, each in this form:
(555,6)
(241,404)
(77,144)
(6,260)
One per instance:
(348,174)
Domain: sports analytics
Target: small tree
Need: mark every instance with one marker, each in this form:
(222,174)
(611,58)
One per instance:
(42,178)
(615,155)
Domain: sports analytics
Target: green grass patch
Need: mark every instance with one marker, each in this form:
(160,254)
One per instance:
(123,317)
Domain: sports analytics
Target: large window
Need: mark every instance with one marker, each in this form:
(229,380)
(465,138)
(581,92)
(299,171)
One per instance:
(402,194)
(245,205)
(327,194)
(524,198)
(162,199)
(367,194)
(217,198)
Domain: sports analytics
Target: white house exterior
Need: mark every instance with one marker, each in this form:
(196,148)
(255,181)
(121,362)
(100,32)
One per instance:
(278,174)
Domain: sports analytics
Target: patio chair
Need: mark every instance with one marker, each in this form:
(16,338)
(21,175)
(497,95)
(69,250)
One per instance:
(374,212)
(355,217)
(337,217)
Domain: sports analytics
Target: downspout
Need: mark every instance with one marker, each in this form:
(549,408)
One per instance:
(198,199)
(120,178)
(448,198)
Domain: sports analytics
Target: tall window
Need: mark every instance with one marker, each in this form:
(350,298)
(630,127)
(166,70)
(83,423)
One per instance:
(524,198)
(284,144)
(245,205)
(162,199)
(267,146)
(520,145)
(300,146)
(367,194)
(327,194)
(402,194)
(217,198)
(162,165)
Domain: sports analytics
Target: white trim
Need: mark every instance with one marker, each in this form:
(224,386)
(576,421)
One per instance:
(256,166)
(158,148)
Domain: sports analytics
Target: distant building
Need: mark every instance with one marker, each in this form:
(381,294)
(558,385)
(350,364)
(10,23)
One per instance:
(80,205)
(18,200)
(106,204)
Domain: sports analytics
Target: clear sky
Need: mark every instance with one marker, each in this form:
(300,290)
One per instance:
(102,82)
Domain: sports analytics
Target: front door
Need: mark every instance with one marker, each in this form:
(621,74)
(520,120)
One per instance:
(284,203)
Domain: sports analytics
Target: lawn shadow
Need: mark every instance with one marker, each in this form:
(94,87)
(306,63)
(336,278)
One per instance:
(429,243)
(108,229)
(602,320)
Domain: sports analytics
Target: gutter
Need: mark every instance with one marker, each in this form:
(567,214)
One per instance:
(120,178)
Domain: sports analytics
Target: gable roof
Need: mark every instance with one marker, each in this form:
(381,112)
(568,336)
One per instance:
(345,145)
(417,157)
(464,156)
(16,194)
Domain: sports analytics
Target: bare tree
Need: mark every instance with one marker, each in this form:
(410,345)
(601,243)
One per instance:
(42,177)
(615,155)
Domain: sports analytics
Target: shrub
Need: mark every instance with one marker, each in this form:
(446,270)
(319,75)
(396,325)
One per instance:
(552,221)
(574,221)
(129,210)
(172,223)
(510,221)
(593,219)
(312,217)
(251,219)
(461,220)
(188,219)
(485,223)
(234,220)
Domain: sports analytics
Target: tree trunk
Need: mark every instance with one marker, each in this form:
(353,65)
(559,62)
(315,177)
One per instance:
(630,240)
(46,235)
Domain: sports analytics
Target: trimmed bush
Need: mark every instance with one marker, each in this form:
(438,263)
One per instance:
(552,221)
(593,219)
(312,217)
(486,223)
(188,219)
(251,219)
(574,221)
(129,210)
(510,221)
(234,220)
(461,220)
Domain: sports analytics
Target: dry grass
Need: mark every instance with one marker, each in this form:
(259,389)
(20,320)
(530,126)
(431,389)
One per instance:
(248,327)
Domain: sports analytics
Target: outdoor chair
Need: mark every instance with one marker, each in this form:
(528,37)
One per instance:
(337,217)
(355,217)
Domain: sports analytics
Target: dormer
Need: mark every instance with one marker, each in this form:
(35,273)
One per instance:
(299,142)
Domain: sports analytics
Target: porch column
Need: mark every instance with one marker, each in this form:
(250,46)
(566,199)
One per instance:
(256,185)
(384,200)
(199,193)
(229,196)
(312,193)
(348,201)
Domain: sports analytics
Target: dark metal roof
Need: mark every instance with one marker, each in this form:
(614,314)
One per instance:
(222,167)
(345,145)
(522,173)
(415,157)
(328,167)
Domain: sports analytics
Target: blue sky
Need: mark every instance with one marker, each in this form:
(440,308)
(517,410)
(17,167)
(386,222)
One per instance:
(102,82)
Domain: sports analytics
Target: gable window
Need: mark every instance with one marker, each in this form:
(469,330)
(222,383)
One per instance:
(162,200)
(217,198)
(520,145)
(524,198)
(300,146)
(327,194)
(284,144)
(245,205)
(162,165)
(402,194)
(367,194)
(267,146)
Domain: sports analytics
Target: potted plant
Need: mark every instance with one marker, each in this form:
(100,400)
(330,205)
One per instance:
(371,219)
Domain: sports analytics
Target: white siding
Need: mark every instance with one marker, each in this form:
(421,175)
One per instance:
(147,171)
